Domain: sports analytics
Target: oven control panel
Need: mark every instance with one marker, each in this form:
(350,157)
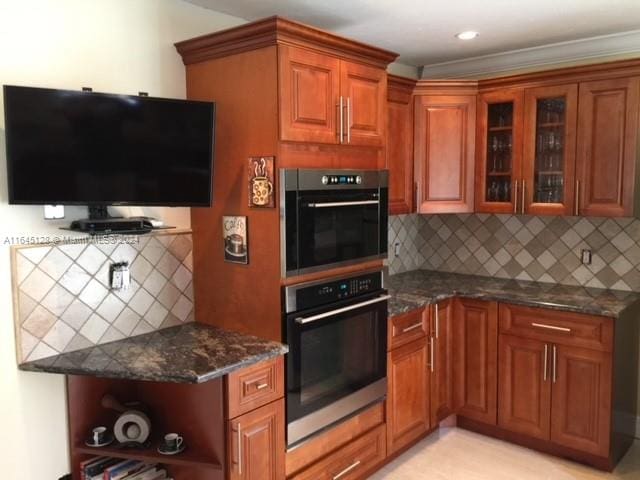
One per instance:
(341,179)
(332,291)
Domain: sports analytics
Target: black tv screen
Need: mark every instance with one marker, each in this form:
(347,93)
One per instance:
(68,147)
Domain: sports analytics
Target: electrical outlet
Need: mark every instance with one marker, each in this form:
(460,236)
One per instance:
(585,256)
(396,249)
(120,276)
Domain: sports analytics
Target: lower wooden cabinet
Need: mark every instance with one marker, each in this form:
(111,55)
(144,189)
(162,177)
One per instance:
(475,359)
(256,444)
(441,361)
(351,461)
(407,394)
(581,402)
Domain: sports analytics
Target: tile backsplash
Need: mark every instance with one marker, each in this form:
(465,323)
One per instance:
(62,299)
(545,249)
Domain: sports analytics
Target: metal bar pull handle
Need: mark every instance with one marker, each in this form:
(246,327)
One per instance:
(341,119)
(262,386)
(343,204)
(437,321)
(412,327)
(432,353)
(239,437)
(577,200)
(551,327)
(303,320)
(546,362)
(515,196)
(348,119)
(346,470)
(554,365)
(523,193)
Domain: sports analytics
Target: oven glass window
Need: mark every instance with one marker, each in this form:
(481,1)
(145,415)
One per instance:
(334,358)
(330,234)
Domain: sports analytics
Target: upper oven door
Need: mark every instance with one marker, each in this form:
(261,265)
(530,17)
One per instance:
(334,352)
(339,227)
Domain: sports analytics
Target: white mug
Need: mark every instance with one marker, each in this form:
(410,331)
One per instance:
(98,435)
(173,441)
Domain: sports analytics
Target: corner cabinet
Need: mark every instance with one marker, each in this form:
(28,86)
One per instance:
(399,160)
(444,152)
(325,99)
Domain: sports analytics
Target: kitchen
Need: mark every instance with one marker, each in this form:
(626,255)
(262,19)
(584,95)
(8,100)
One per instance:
(440,257)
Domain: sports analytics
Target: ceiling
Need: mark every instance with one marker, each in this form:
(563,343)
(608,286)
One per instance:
(422,31)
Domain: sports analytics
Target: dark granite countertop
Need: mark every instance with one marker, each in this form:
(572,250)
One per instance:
(417,288)
(190,353)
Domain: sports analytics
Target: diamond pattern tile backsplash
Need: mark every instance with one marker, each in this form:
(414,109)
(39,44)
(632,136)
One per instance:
(545,249)
(63,301)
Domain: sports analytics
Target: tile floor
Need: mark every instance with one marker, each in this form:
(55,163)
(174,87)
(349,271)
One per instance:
(456,454)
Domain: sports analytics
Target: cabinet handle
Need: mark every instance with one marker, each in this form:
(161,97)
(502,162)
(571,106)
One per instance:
(261,386)
(346,470)
(348,119)
(577,200)
(524,188)
(412,327)
(239,430)
(431,353)
(515,196)
(554,364)
(551,327)
(437,322)
(546,354)
(341,119)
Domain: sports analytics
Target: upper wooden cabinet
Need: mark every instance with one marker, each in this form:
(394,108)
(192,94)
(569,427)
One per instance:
(608,147)
(444,152)
(399,159)
(325,99)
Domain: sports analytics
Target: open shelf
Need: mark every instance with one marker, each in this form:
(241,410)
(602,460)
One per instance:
(187,458)
(549,172)
(501,129)
(551,124)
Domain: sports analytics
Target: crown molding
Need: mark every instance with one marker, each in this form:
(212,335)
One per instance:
(619,45)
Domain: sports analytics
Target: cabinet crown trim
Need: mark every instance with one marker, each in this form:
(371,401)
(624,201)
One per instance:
(275,31)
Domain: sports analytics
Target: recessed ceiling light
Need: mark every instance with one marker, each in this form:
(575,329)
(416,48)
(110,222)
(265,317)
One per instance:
(468,35)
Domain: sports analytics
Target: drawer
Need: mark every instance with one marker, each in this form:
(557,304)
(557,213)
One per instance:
(254,386)
(351,461)
(407,327)
(565,328)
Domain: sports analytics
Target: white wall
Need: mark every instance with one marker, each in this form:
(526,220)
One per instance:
(121,46)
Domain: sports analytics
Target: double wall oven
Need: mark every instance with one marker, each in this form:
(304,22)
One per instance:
(336,328)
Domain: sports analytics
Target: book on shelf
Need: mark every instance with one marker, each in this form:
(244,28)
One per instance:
(111,468)
(95,466)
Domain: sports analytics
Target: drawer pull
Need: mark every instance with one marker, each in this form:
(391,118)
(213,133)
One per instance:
(261,386)
(551,327)
(346,470)
(546,355)
(412,327)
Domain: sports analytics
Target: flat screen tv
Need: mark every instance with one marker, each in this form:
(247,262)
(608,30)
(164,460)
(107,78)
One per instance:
(69,147)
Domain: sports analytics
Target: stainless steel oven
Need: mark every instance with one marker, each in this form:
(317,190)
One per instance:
(337,336)
(332,218)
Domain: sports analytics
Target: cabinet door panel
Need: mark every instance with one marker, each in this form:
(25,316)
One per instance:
(499,151)
(441,381)
(607,146)
(407,397)
(475,350)
(257,445)
(548,172)
(400,147)
(581,399)
(444,140)
(309,89)
(524,386)
(365,90)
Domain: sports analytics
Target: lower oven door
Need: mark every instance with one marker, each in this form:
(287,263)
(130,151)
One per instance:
(336,363)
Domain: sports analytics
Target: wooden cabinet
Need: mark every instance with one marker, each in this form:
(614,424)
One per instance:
(524,386)
(324,99)
(256,444)
(441,361)
(499,151)
(608,147)
(475,359)
(407,327)
(399,159)
(548,171)
(444,149)
(254,386)
(407,394)
(581,405)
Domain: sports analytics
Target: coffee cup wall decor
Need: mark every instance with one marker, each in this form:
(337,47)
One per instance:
(234,239)
(261,186)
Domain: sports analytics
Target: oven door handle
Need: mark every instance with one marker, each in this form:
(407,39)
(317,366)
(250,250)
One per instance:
(320,316)
(343,204)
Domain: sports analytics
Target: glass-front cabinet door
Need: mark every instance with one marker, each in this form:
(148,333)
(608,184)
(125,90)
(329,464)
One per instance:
(548,176)
(499,151)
